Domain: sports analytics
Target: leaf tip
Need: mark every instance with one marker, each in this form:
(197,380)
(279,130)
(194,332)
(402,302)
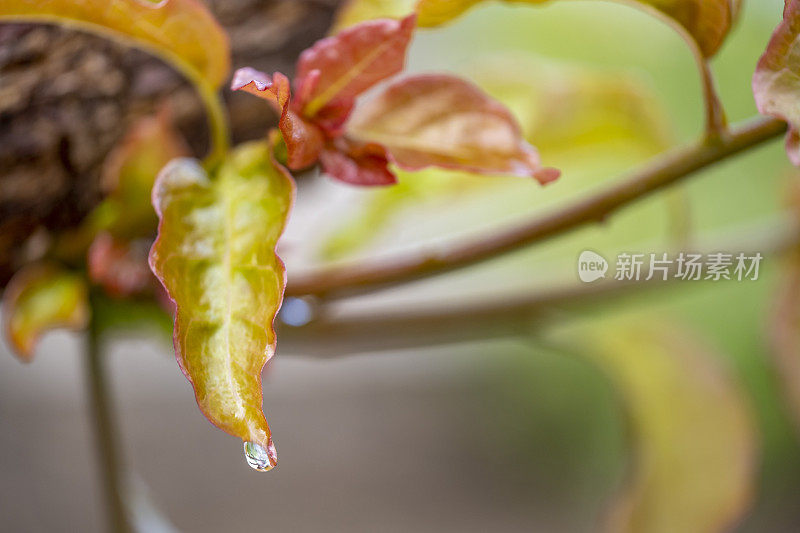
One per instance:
(261,458)
(547,175)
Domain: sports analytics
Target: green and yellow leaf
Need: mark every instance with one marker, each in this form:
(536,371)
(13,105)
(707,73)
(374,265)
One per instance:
(184,32)
(38,299)
(215,255)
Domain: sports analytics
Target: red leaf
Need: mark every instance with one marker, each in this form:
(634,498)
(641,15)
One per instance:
(337,69)
(443,121)
(303,140)
(275,89)
(358,164)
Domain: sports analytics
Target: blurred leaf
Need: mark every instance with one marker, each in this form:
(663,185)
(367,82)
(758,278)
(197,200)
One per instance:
(129,173)
(776,83)
(215,255)
(785,334)
(784,327)
(120,267)
(571,111)
(339,68)
(693,437)
(303,140)
(40,298)
(443,121)
(182,32)
(707,22)
(357,11)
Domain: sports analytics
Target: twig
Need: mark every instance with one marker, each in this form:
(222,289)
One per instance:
(105,434)
(667,170)
(334,334)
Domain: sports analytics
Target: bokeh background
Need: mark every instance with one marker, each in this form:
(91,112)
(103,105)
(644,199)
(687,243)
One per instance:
(531,433)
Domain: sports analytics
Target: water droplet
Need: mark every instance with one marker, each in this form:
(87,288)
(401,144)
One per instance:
(259,458)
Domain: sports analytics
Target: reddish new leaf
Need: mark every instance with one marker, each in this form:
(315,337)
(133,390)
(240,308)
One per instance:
(40,298)
(275,89)
(440,120)
(184,32)
(345,65)
(776,83)
(358,164)
(303,139)
(215,255)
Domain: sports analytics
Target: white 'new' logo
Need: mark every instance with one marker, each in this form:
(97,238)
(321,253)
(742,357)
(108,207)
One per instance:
(591,266)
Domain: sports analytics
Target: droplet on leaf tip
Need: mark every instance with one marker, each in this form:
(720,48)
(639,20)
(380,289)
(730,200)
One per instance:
(260,459)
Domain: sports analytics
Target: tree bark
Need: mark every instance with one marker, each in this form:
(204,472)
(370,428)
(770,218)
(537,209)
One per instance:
(67,98)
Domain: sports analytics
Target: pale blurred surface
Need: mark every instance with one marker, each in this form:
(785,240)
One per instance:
(384,443)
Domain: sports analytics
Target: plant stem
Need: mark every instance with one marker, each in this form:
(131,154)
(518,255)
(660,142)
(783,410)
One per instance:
(716,121)
(105,433)
(664,171)
(218,128)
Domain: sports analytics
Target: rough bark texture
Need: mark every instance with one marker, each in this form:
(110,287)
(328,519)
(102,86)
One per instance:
(66,98)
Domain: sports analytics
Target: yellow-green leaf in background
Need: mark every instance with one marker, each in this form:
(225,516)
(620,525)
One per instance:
(706,22)
(215,255)
(355,12)
(184,32)
(576,111)
(40,298)
(692,434)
